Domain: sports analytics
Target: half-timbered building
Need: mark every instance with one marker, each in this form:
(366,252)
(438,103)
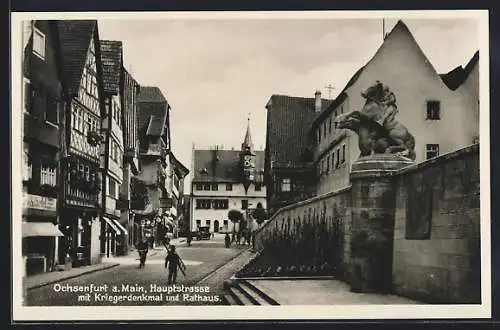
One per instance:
(82,72)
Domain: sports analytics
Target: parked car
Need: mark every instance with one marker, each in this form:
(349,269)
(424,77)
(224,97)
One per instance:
(202,233)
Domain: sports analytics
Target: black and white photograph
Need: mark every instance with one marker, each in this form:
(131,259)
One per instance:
(299,165)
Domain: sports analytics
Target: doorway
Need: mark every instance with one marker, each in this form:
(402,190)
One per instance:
(216,226)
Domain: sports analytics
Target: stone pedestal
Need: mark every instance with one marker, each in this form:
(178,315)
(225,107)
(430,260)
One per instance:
(373,208)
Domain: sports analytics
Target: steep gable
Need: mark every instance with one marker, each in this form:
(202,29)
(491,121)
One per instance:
(75,37)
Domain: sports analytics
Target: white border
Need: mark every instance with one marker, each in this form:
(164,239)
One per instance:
(21,313)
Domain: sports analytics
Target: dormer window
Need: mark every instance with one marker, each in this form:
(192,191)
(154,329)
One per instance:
(39,43)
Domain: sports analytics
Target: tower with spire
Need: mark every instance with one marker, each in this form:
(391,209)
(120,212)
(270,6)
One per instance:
(247,159)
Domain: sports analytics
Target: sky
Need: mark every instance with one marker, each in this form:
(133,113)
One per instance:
(216,74)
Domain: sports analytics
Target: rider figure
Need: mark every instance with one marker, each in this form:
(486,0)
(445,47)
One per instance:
(388,100)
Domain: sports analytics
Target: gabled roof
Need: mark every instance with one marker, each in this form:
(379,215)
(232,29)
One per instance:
(456,77)
(289,120)
(74,36)
(151,94)
(452,79)
(221,165)
(111,55)
(151,111)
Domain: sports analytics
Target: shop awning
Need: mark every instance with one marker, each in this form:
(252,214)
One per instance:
(113,226)
(119,225)
(33,229)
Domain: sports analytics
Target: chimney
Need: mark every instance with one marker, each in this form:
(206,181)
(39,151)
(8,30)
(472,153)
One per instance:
(317,103)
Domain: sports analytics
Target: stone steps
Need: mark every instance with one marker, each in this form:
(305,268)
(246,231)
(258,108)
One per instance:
(243,293)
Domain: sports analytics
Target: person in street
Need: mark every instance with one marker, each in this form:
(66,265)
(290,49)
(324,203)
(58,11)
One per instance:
(227,240)
(142,248)
(189,238)
(174,262)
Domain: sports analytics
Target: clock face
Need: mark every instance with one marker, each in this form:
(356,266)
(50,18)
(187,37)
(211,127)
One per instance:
(248,161)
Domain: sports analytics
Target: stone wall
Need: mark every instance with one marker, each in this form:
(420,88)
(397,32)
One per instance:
(437,237)
(431,217)
(317,229)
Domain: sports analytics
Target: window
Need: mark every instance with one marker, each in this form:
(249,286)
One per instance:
(338,158)
(286,184)
(226,223)
(27,166)
(206,186)
(432,151)
(203,204)
(258,187)
(39,43)
(198,223)
(112,188)
(221,204)
(244,204)
(215,186)
(207,223)
(48,174)
(433,110)
(341,109)
(327,164)
(229,186)
(333,160)
(319,134)
(336,113)
(330,126)
(324,129)
(199,186)
(343,154)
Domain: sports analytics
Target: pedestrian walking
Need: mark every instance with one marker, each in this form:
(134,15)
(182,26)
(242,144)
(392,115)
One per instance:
(174,262)
(142,249)
(227,240)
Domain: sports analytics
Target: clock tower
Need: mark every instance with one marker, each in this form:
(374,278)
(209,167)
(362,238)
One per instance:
(247,159)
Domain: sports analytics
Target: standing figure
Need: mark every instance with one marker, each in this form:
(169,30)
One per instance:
(227,240)
(173,262)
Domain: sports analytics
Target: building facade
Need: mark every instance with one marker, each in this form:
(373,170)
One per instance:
(43,105)
(81,173)
(114,235)
(151,198)
(130,163)
(441,111)
(226,180)
(289,164)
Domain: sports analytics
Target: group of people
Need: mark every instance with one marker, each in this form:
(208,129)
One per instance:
(173,261)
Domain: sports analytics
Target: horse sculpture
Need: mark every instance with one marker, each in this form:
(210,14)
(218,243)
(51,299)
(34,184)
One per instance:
(377,128)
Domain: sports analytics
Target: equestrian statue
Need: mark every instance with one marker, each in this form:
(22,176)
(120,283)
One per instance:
(376,125)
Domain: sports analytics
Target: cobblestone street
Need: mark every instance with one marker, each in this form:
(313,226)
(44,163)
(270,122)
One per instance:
(201,259)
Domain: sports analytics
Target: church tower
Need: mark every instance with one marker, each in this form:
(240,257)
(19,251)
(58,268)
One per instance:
(247,159)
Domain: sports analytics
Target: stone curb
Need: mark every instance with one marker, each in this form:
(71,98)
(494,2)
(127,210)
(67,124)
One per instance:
(207,276)
(288,278)
(71,276)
